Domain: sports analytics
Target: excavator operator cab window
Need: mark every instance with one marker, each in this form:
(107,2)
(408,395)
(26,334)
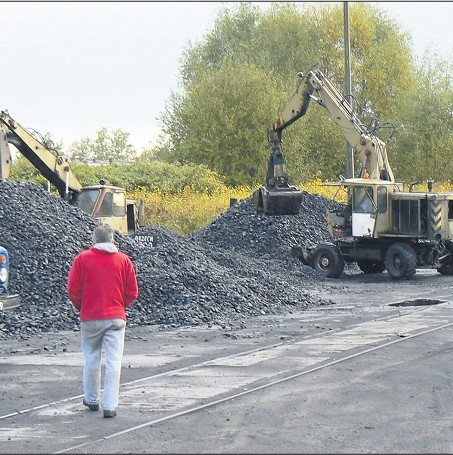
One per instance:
(119,204)
(106,208)
(382,199)
(86,200)
(113,204)
(362,198)
(450,210)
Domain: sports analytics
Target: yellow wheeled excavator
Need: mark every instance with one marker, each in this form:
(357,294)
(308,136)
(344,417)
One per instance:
(381,227)
(106,203)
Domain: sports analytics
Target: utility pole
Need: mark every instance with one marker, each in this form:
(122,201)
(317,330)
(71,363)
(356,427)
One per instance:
(347,67)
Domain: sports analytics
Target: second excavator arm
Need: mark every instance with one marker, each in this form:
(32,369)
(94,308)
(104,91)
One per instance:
(53,167)
(278,197)
(295,109)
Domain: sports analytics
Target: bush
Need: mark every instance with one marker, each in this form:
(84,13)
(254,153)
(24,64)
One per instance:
(189,210)
(182,198)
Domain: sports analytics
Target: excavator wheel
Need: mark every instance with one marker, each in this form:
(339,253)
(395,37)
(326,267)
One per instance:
(327,260)
(400,261)
(447,267)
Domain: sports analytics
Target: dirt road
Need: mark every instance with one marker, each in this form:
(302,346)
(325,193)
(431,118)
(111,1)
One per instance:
(368,373)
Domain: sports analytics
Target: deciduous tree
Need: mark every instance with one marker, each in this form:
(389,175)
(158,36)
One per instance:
(239,77)
(108,146)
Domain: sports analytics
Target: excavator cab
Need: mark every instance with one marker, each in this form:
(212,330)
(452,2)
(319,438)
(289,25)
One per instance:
(108,204)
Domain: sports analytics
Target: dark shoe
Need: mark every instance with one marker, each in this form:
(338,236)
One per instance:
(108,413)
(92,407)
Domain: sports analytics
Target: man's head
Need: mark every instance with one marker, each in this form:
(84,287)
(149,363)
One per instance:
(103,234)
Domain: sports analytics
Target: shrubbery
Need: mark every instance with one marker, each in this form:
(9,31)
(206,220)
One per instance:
(187,211)
(182,198)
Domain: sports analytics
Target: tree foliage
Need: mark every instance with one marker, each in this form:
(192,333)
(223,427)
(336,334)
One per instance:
(239,77)
(221,123)
(108,146)
(426,140)
(166,178)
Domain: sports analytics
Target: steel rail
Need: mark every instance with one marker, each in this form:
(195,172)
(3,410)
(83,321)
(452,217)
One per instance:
(255,389)
(189,367)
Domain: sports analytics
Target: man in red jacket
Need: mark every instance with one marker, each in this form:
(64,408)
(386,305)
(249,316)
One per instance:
(102,283)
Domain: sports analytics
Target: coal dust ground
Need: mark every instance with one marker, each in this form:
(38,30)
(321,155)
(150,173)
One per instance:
(231,287)
(397,399)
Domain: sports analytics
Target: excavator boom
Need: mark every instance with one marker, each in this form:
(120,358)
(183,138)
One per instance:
(5,156)
(53,167)
(370,150)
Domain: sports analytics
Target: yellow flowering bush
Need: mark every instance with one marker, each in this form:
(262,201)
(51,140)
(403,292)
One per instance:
(188,210)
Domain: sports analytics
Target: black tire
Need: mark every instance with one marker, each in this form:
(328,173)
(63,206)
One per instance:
(400,261)
(327,260)
(368,266)
(447,269)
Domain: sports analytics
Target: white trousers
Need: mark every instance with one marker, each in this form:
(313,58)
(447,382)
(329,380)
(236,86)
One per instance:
(98,336)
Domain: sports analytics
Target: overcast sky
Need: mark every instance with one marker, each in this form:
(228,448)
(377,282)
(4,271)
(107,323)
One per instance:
(72,68)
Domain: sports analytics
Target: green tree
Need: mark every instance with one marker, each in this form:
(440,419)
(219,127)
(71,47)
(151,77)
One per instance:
(108,146)
(24,171)
(161,151)
(236,81)
(222,122)
(426,140)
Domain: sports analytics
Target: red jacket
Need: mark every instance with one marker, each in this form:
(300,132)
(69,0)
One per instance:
(102,284)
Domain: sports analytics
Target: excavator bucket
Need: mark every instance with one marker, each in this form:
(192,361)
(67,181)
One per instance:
(278,201)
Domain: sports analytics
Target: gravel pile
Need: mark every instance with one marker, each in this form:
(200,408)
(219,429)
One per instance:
(237,267)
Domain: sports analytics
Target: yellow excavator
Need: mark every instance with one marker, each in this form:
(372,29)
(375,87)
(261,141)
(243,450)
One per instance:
(381,227)
(106,203)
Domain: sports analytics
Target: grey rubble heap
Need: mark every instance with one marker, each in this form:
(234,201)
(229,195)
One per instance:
(238,266)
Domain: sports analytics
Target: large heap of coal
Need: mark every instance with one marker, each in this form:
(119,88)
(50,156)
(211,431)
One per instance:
(241,230)
(237,267)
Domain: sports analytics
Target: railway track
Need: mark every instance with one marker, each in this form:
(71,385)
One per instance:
(201,386)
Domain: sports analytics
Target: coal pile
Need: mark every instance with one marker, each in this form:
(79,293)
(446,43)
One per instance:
(237,267)
(241,230)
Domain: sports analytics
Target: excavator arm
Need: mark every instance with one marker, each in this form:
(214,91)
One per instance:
(277,197)
(295,109)
(53,167)
(370,150)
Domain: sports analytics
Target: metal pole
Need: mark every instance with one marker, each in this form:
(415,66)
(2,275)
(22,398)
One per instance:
(347,67)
